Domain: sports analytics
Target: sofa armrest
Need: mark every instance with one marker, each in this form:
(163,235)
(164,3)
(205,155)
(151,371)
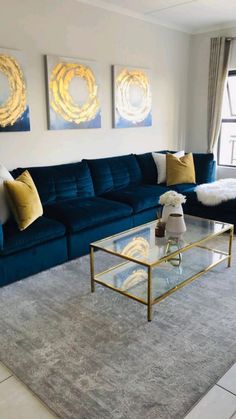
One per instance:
(213,172)
(205,167)
(1,237)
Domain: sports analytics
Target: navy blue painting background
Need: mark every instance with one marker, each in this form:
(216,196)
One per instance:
(21,124)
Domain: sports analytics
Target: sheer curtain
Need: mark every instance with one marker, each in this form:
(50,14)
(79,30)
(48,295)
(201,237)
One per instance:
(218,70)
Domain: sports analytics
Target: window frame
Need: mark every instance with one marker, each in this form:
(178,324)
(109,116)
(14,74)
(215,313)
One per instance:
(226,120)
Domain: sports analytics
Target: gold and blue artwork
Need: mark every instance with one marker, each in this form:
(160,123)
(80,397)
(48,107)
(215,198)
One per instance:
(135,245)
(14,109)
(73,93)
(132,99)
(130,277)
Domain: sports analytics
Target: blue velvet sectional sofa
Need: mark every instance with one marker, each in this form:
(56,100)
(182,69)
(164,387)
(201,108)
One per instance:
(87,201)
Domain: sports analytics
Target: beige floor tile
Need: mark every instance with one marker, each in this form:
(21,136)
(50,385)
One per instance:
(216,404)
(228,381)
(17,402)
(4,372)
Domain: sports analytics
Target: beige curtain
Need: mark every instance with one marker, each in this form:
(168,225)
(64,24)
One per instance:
(218,70)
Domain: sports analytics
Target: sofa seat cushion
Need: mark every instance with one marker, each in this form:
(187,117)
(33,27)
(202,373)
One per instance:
(184,187)
(79,214)
(140,197)
(41,231)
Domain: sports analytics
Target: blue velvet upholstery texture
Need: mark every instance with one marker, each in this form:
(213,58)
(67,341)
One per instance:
(30,261)
(114,173)
(140,197)
(90,200)
(148,168)
(58,183)
(41,231)
(184,187)
(205,167)
(78,243)
(80,214)
(1,237)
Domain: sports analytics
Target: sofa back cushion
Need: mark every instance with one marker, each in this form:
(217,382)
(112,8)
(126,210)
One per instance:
(114,173)
(148,168)
(58,183)
(205,167)
(204,163)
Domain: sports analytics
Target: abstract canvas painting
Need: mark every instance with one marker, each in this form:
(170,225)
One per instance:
(73,93)
(132,99)
(14,109)
(134,244)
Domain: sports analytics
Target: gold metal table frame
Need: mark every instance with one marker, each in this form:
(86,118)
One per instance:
(150,301)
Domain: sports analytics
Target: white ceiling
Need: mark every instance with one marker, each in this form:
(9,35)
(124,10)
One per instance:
(193,16)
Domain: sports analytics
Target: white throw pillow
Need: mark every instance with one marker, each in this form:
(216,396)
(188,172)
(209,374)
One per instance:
(160,160)
(4,211)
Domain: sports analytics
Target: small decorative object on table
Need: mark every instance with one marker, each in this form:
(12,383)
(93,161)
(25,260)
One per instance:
(175,225)
(160,228)
(171,246)
(172,204)
(161,225)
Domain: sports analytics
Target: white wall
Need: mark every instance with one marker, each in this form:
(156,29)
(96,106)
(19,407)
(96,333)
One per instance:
(70,28)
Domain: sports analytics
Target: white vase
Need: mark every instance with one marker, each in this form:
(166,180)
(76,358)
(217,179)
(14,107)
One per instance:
(171,209)
(175,225)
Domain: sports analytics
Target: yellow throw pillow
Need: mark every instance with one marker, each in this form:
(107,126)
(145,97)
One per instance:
(180,170)
(23,199)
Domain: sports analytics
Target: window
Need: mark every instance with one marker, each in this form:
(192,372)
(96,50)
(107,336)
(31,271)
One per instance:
(227,140)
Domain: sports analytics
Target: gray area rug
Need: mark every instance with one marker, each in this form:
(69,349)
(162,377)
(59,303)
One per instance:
(96,357)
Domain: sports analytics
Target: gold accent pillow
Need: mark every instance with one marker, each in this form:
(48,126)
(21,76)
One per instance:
(24,200)
(180,170)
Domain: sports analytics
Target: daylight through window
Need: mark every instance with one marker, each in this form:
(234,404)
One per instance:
(227,140)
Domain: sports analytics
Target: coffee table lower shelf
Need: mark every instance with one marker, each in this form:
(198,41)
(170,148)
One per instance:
(151,284)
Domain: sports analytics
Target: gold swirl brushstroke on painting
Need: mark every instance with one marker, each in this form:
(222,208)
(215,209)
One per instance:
(135,278)
(16,104)
(62,101)
(125,79)
(137,247)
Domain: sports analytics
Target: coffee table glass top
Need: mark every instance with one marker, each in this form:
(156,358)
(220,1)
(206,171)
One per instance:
(140,244)
(148,269)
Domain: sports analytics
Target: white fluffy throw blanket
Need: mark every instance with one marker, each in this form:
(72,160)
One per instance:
(216,192)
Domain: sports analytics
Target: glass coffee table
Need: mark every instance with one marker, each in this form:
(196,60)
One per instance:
(150,268)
